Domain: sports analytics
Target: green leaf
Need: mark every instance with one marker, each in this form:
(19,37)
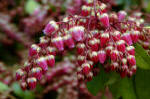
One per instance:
(17,90)
(142,81)
(148,7)
(30,6)
(3,87)
(102,80)
(142,58)
(123,88)
(113,77)
(98,82)
(22,94)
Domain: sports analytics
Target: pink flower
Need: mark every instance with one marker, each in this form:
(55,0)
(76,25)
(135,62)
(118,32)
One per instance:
(50,28)
(104,19)
(121,45)
(42,62)
(77,32)
(104,38)
(102,56)
(126,37)
(37,72)
(34,50)
(58,43)
(32,81)
(19,74)
(50,60)
(131,60)
(121,15)
(69,41)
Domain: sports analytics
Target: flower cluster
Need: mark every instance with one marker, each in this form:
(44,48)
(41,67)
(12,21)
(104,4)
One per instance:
(96,36)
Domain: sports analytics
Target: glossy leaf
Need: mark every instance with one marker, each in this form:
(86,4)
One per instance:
(142,58)
(142,81)
(123,89)
(3,87)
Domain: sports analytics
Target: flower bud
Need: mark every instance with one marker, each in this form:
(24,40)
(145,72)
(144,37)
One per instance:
(37,72)
(109,49)
(126,37)
(114,55)
(114,65)
(32,81)
(85,68)
(42,62)
(51,28)
(69,41)
(51,50)
(23,85)
(135,36)
(104,19)
(77,32)
(85,10)
(131,50)
(35,49)
(80,48)
(116,35)
(121,45)
(104,38)
(27,66)
(94,44)
(94,56)
(131,60)
(58,43)
(102,56)
(50,60)
(19,74)
(81,59)
(124,61)
(121,15)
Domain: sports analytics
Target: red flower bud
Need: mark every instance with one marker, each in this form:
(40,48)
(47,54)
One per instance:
(37,72)
(42,62)
(32,82)
(50,28)
(131,60)
(19,74)
(135,36)
(104,19)
(51,50)
(27,66)
(114,65)
(109,49)
(102,56)
(50,60)
(85,10)
(94,44)
(114,55)
(116,35)
(35,49)
(69,41)
(58,43)
(86,68)
(121,15)
(121,45)
(77,32)
(126,37)
(81,59)
(80,48)
(23,85)
(94,56)
(131,50)
(104,38)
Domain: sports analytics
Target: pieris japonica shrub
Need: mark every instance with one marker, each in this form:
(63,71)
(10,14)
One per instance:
(95,36)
